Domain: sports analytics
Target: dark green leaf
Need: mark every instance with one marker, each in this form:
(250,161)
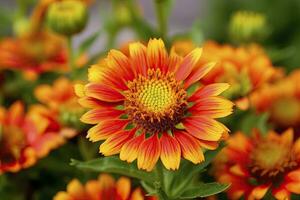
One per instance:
(115,165)
(204,190)
(175,182)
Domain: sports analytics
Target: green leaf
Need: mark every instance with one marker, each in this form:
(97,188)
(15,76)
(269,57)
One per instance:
(115,165)
(204,190)
(175,182)
(253,120)
(88,42)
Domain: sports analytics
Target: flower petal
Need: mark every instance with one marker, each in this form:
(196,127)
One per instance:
(157,55)
(121,65)
(215,107)
(129,150)
(209,90)
(15,113)
(197,74)
(114,143)
(188,64)
(103,92)
(97,115)
(138,57)
(90,102)
(105,129)
(123,186)
(174,61)
(190,147)
(170,151)
(148,153)
(76,189)
(203,128)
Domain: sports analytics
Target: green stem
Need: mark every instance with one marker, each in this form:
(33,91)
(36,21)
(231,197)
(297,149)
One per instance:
(71,56)
(159,183)
(162,18)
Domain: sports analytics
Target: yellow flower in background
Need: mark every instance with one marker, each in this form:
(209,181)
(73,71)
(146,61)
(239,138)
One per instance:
(281,100)
(257,164)
(104,188)
(27,137)
(140,106)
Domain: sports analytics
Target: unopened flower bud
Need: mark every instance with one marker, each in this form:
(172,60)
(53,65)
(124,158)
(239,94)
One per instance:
(67,17)
(246,26)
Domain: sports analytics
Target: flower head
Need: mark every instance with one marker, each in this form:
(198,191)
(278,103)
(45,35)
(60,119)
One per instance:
(103,188)
(258,164)
(142,109)
(62,100)
(244,68)
(26,137)
(281,100)
(35,53)
(67,17)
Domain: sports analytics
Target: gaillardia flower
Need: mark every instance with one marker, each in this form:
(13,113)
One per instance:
(244,68)
(258,164)
(34,53)
(281,100)
(62,100)
(102,189)
(24,138)
(142,109)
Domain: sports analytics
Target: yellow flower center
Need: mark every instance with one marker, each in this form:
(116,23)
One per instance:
(270,158)
(12,142)
(155,102)
(156,96)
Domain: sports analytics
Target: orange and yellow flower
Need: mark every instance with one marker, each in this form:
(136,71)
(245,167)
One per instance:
(62,100)
(281,100)
(26,137)
(257,164)
(34,53)
(244,68)
(142,109)
(102,189)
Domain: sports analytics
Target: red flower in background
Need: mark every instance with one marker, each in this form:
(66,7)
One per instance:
(26,137)
(257,164)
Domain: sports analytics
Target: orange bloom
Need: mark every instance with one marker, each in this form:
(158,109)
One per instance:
(26,137)
(35,53)
(58,96)
(244,68)
(281,100)
(142,110)
(258,164)
(102,189)
(62,100)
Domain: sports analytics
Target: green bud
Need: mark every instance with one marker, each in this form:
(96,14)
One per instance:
(247,26)
(67,17)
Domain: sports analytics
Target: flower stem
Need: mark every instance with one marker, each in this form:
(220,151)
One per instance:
(162,17)
(159,183)
(71,56)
